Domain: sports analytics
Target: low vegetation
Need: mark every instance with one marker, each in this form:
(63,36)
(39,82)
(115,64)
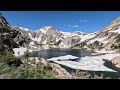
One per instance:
(96,45)
(80,46)
(9,70)
(13,68)
(117,44)
(86,75)
(32,70)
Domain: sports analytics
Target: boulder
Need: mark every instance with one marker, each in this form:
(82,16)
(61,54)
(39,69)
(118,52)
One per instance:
(62,73)
(116,63)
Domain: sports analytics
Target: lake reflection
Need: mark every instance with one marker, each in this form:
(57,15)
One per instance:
(50,53)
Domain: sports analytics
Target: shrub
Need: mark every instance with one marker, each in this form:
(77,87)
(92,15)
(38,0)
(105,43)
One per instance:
(80,45)
(33,73)
(33,61)
(86,75)
(81,75)
(6,56)
(48,67)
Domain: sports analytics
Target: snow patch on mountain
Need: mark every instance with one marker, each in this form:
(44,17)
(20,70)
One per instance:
(26,29)
(87,36)
(20,51)
(70,34)
(66,33)
(45,29)
(34,39)
(30,35)
(32,43)
(116,31)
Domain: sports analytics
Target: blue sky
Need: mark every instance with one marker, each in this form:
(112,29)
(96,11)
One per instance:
(68,21)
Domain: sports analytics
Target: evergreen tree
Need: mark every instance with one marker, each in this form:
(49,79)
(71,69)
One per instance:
(26,55)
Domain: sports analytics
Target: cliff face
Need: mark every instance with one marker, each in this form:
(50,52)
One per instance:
(7,35)
(10,37)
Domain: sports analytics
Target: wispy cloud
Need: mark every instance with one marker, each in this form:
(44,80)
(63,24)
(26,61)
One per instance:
(75,26)
(83,20)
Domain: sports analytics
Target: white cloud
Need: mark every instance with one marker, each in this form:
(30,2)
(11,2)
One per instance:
(82,20)
(74,26)
(69,25)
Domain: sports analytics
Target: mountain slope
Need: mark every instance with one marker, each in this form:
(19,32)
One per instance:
(106,36)
(49,37)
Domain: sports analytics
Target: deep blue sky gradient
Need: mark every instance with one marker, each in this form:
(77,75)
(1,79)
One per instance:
(68,21)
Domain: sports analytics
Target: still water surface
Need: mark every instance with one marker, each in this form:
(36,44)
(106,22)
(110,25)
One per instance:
(50,53)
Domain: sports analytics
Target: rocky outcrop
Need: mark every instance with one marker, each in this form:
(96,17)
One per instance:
(70,41)
(7,43)
(106,35)
(61,72)
(116,63)
(10,36)
(22,38)
(7,34)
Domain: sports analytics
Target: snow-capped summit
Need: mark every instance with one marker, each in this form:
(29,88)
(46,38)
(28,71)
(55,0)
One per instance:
(26,29)
(45,29)
(79,32)
(52,37)
(66,33)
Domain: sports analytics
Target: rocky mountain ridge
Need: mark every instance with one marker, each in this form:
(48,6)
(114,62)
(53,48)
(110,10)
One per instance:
(106,36)
(50,37)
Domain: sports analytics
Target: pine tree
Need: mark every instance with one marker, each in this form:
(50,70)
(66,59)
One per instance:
(27,60)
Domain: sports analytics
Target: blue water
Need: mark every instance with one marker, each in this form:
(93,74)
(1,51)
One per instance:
(50,53)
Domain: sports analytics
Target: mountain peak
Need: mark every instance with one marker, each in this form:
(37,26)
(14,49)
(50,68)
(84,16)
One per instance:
(26,29)
(49,26)
(46,28)
(3,21)
(80,32)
